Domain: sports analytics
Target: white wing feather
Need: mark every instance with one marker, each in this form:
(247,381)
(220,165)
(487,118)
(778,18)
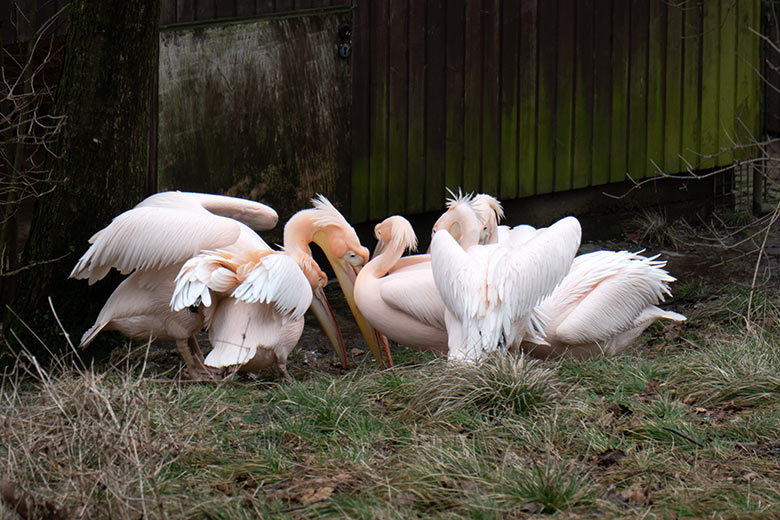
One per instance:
(277,279)
(256,215)
(153,238)
(425,306)
(490,287)
(608,291)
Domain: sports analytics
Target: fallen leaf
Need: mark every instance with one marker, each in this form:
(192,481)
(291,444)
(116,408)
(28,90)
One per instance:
(357,352)
(637,494)
(608,458)
(311,495)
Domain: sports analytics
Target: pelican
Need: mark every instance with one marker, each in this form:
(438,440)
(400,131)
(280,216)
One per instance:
(491,290)
(397,298)
(262,294)
(607,299)
(152,241)
(155,238)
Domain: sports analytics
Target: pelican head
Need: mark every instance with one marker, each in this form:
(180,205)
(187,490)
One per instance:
(463,221)
(326,227)
(491,211)
(394,233)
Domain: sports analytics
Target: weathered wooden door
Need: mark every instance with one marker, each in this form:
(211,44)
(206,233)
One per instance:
(254,100)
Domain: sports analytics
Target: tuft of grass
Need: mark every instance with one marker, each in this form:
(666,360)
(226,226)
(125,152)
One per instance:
(741,370)
(554,486)
(498,386)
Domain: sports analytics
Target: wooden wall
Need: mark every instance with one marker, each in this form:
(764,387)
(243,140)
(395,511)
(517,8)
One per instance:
(21,18)
(188,11)
(772,66)
(525,97)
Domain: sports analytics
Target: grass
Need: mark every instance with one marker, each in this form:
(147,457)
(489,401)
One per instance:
(687,424)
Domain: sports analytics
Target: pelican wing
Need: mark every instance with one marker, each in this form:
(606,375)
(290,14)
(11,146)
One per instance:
(277,279)
(413,292)
(610,290)
(256,215)
(201,274)
(519,277)
(153,238)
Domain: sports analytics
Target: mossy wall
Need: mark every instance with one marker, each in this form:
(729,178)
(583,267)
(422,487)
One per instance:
(257,109)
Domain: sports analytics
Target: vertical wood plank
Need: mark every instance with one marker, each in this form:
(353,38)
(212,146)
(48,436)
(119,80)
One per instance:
(245,7)
(378,159)
(398,93)
(415,186)
(527,91)
(673,89)
(288,5)
(269,6)
(472,127)
(185,11)
(656,56)
(491,96)
(361,124)
(565,97)
(510,29)
(710,80)
(302,4)
(546,96)
(583,95)
(205,10)
(755,79)
(435,56)
(224,8)
(637,102)
(456,19)
(167,12)
(728,83)
(691,116)
(602,91)
(620,60)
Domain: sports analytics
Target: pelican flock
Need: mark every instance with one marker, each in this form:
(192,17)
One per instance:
(195,260)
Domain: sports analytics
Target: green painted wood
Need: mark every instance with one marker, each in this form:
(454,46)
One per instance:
(691,122)
(656,54)
(710,83)
(728,81)
(472,126)
(435,71)
(637,100)
(673,88)
(526,110)
(397,109)
(361,113)
(602,91)
(491,95)
(378,184)
(453,167)
(583,95)
(620,60)
(510,32)
(415,184)
(564,109)
(546,92)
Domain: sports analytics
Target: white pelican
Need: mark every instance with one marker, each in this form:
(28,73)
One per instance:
(491,290)
(262,294)
(155,238)
(399,299)
(604,303)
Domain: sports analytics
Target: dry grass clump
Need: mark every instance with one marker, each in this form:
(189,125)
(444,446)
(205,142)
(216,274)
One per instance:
(87,444)
(497,386)
(737,368)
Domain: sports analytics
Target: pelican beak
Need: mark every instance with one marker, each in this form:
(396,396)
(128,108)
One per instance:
(380,246)
(327,321)
(346,274)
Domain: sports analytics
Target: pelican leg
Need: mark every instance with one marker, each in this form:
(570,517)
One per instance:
(385,347)
(281,364)
(195,367)
(195,348)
